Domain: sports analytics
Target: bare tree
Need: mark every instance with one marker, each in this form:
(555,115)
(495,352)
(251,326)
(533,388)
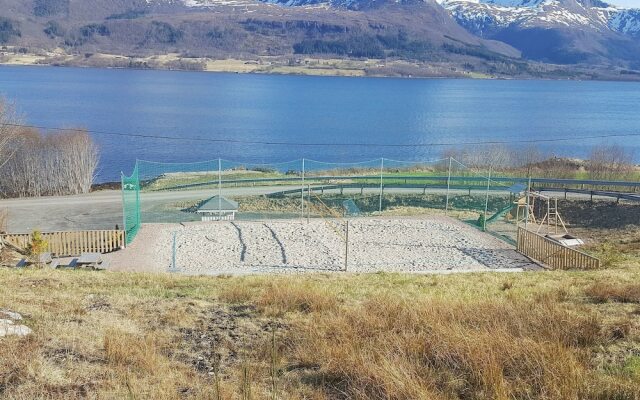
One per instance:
(498,157)
(610,162)
(9,130)
(528,158)
(51,164)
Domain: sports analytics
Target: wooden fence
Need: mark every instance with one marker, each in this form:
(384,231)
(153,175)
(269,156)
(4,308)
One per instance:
(552,253)
(71,244)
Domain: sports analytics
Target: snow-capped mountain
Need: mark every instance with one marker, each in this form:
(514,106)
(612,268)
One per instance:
(482,15)
(563,31)
(626,21)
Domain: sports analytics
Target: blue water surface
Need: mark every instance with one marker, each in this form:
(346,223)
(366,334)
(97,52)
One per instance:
(313,110)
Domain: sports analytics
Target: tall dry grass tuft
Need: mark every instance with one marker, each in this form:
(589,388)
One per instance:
(284,296)
(131,351)
(236,293)
(390,348)
(16,362)
(602,292)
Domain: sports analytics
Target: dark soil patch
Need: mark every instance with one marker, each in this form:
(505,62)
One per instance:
(600,214)
(63,355)
(97,303)
(106,186)
(225,337)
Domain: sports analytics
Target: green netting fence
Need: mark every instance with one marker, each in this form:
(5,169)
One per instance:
(131,205)
(184,192)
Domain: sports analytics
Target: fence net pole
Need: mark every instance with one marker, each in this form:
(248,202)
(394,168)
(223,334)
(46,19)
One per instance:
(486,201)
(381,184)
(308,202)
(302,193)
(131,204)
(219,189)
(124,208)
(446,207)
(526,212)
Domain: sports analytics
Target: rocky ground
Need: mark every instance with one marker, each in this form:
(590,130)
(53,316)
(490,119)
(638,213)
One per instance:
(10,324)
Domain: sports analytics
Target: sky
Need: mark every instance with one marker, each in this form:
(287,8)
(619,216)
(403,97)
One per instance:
(625,3)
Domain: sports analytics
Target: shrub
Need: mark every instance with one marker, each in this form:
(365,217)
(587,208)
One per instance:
(353,46)
(8,29)
(53,29)
(37,246)
(47,8)
(163,32)
(481,220)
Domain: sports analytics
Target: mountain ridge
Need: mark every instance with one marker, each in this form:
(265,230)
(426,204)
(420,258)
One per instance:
(499,38)
(575,31)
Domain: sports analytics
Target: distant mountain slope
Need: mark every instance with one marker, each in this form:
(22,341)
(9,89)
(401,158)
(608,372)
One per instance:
(485,37)
(562,31)
(415,29)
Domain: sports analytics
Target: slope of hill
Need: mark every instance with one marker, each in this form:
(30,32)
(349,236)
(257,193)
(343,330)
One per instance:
(560,31)
(404,37)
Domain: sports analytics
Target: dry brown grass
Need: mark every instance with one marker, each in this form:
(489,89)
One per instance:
(390,348)
(610,291)
(281,297)
(381,336)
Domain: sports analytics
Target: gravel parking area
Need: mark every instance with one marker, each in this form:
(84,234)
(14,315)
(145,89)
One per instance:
(417,245)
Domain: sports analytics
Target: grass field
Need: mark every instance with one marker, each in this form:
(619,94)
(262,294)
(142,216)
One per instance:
(542,335)
(370,176)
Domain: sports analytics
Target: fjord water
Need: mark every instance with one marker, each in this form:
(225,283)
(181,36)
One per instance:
(313,110)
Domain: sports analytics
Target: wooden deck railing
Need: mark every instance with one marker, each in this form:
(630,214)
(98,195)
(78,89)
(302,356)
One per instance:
(71,244)
(552,253)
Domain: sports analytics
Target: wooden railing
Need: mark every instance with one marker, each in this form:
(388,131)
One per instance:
(552,253)
(71,244)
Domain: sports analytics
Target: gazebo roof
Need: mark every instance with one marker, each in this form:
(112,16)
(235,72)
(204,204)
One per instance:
(212,205)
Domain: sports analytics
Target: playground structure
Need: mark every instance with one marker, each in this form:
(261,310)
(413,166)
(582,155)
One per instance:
(541,212)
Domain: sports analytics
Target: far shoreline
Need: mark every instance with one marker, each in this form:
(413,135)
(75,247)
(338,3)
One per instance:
(303,66)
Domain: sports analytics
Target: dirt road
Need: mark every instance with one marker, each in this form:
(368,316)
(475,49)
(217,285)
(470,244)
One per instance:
(103,209)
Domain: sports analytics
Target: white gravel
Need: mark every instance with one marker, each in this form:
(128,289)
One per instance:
(420,245)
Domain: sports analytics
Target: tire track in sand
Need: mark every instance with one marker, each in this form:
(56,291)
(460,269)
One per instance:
(243,252)
(275,237)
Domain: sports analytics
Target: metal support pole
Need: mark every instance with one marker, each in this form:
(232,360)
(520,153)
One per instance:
(446,207)
(219,189)
(174,267)
(381,187)
(346,248)
(138,216)
(308,202)
(302,192)
(124,207)
(486,202)
(526,211)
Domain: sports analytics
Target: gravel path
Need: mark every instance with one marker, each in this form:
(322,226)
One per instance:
(420,245)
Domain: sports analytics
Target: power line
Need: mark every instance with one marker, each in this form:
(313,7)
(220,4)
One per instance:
(316,144)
